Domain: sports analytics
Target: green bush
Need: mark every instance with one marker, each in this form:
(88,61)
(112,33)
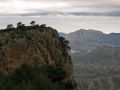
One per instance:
(27,78)
(56,74)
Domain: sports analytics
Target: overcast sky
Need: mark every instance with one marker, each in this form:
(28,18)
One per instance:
(64,15)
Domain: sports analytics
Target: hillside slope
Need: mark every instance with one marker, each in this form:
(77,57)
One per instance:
(35,46)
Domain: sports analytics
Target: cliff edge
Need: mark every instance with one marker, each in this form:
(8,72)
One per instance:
(35,46)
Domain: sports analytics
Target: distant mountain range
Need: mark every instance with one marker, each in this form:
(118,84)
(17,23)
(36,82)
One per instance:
(94,45)
(88,40)
(96,58)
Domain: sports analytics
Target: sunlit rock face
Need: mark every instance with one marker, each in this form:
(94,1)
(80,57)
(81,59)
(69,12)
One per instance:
(34,46)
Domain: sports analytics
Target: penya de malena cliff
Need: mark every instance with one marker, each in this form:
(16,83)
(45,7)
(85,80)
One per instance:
(38,54)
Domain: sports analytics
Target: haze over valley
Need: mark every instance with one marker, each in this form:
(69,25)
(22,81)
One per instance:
(96,59)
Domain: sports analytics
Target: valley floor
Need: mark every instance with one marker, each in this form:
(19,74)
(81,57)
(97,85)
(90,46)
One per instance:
(93,75)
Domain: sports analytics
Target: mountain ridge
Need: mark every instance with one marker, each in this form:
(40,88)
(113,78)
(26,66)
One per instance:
(84,40)
(96,58)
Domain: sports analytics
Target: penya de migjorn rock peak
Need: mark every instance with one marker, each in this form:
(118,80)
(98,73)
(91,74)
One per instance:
(36,53)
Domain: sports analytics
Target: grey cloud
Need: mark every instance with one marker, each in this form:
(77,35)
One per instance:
(93,8)
(112,14)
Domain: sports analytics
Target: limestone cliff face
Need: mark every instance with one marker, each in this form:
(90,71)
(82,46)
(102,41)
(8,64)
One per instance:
(34,46)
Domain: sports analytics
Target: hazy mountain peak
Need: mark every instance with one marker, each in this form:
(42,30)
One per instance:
(90,39)
(84,34)
(89,31)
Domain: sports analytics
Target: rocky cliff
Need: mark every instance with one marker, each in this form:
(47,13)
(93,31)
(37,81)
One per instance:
(34,46)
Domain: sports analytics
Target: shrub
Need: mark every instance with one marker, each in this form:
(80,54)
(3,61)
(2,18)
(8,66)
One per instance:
(38,78)
(56,74)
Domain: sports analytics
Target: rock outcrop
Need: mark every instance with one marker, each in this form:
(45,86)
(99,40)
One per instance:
(32,45)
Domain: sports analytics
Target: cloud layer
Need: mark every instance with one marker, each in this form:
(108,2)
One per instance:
(64,15)
(60,7)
